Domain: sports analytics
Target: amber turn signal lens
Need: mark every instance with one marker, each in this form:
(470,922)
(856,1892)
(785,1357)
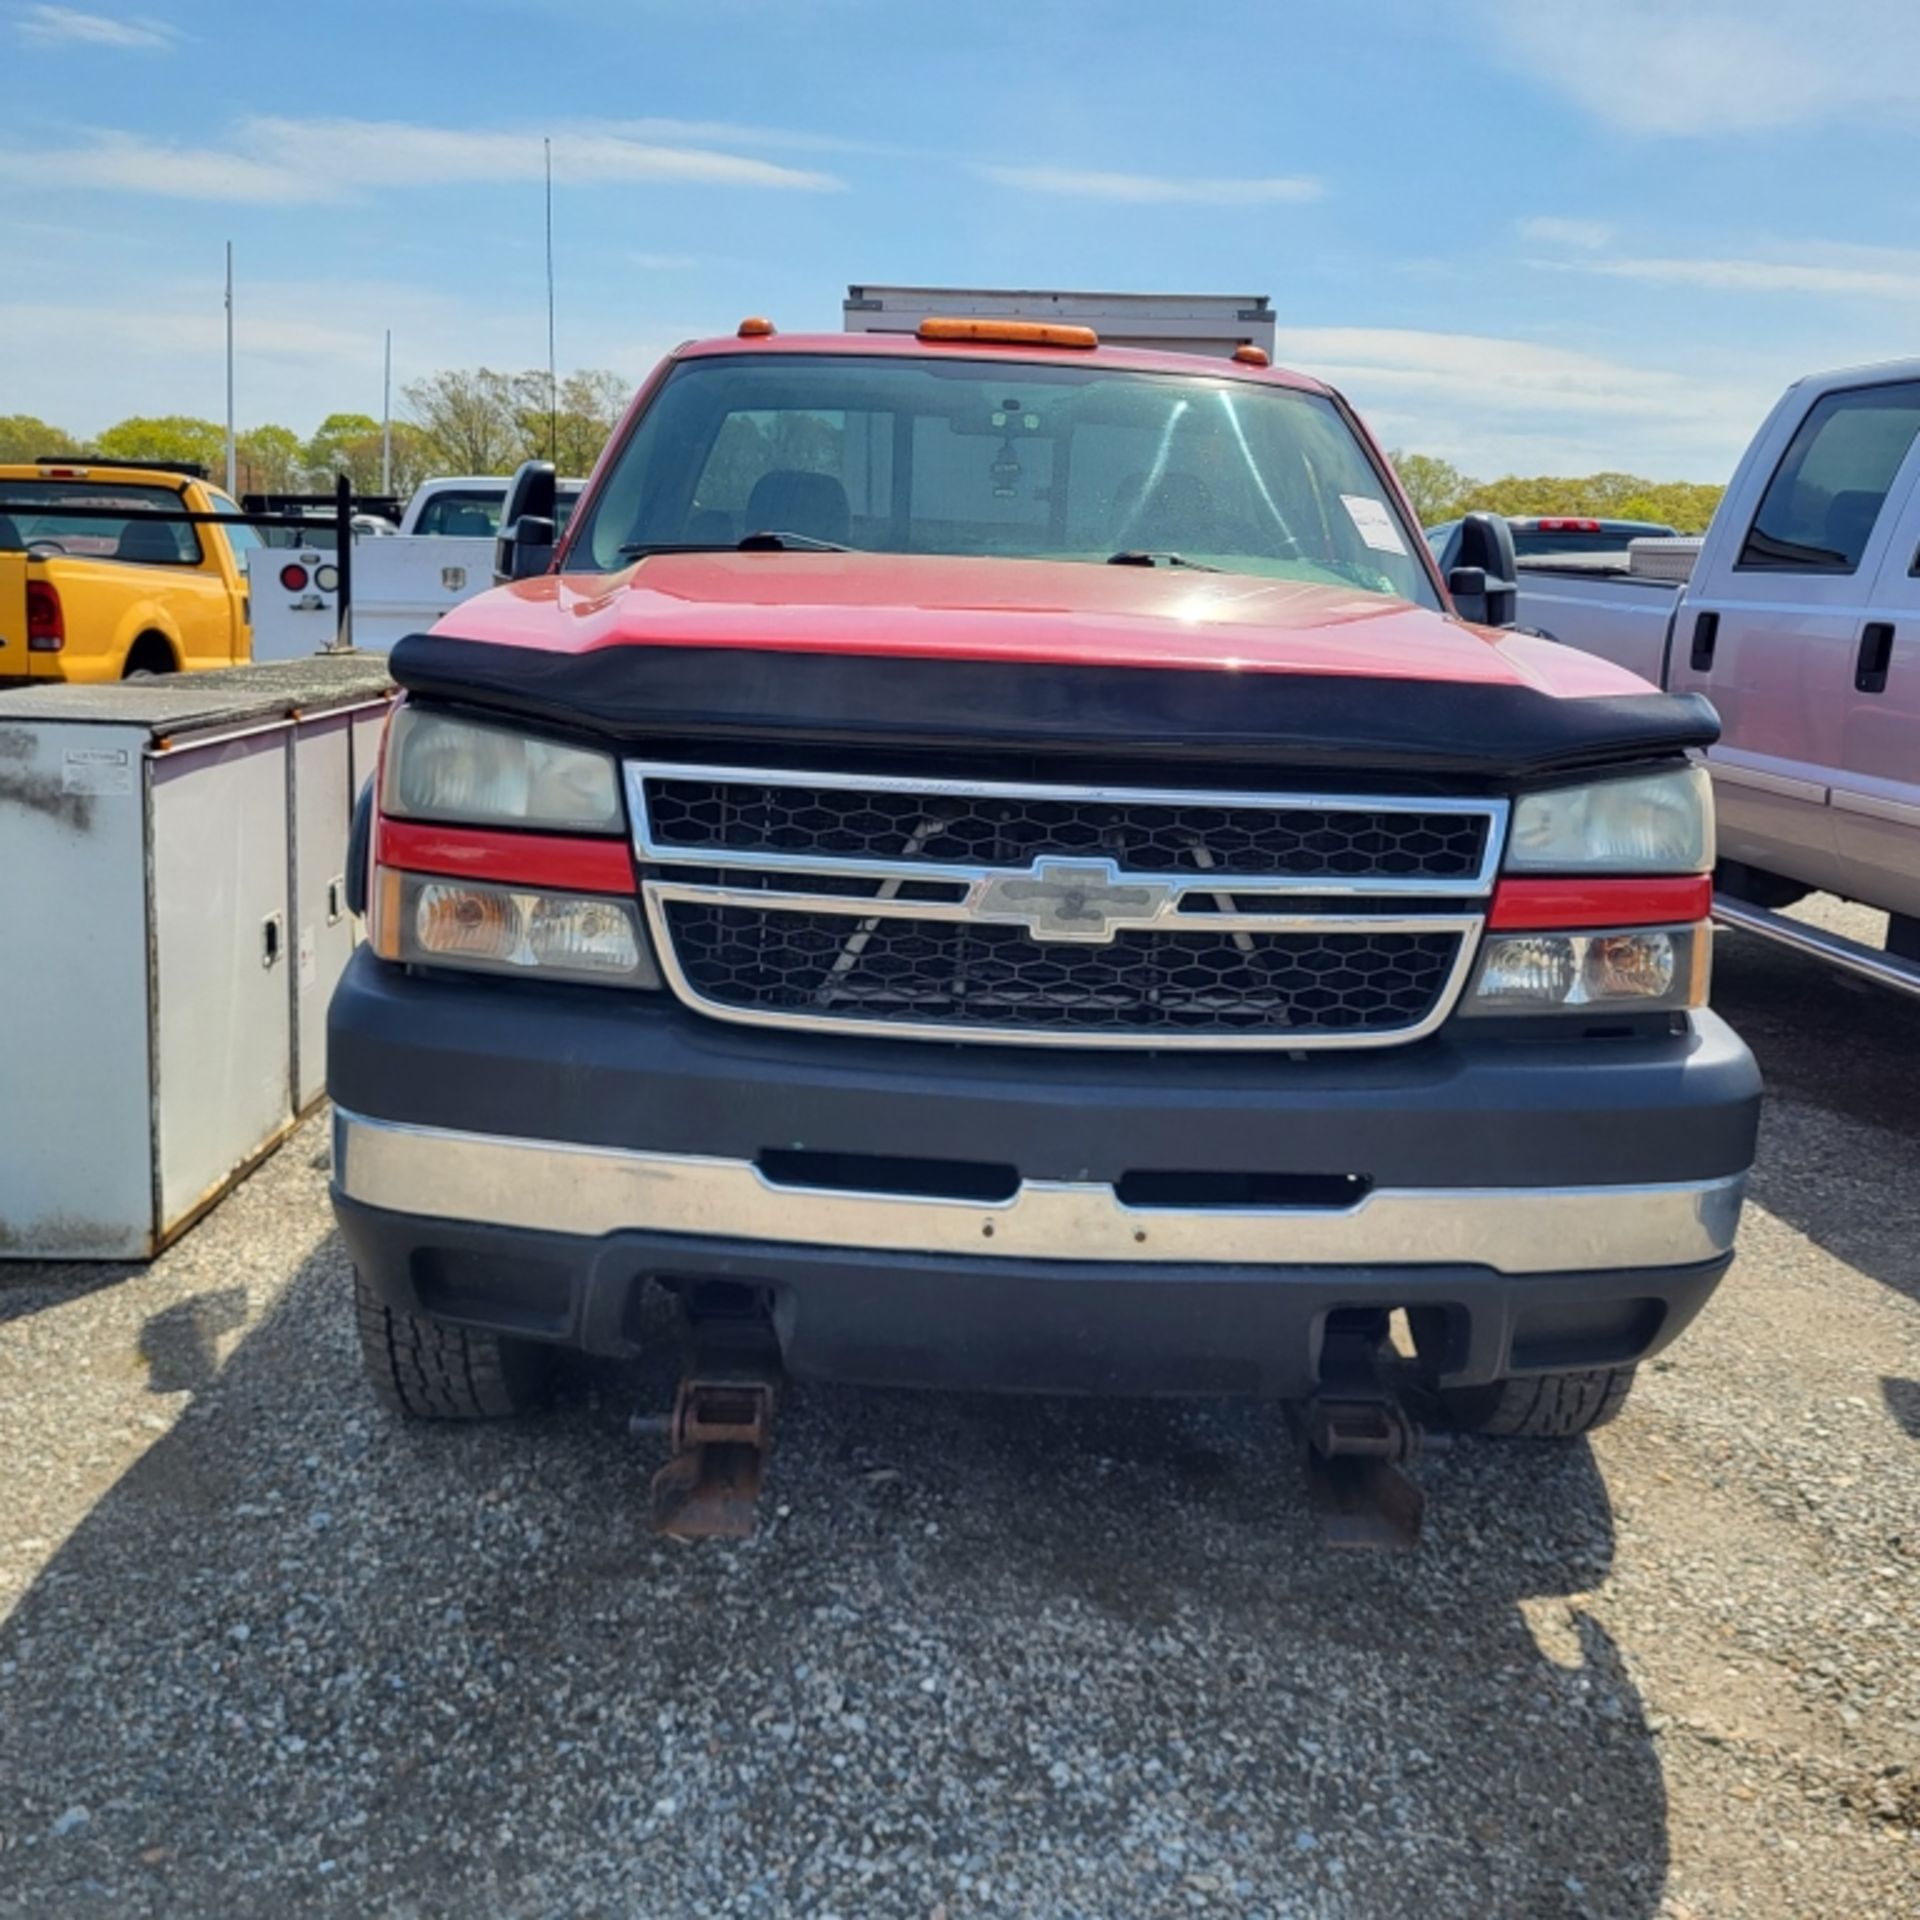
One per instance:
(1009,333)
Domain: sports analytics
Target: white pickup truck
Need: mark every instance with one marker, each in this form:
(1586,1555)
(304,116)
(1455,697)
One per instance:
(401,584)
(1798,615)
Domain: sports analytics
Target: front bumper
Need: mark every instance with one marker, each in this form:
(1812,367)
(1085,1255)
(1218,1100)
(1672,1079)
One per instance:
(529,1159)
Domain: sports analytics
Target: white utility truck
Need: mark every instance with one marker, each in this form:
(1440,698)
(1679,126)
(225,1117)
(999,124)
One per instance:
(401,583)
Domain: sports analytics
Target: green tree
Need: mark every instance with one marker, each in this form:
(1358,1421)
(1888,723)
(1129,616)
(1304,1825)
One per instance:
(1436,487)
(172,436)
(326,453)
(572,424)
(472,417)
(23,437)
(1686,505)
(268,459)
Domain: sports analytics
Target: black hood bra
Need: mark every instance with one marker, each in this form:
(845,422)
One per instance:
(792,701)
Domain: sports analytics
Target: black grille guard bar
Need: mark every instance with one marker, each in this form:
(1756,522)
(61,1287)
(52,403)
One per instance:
(647,693)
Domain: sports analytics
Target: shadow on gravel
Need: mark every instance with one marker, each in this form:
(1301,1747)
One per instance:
(1841,1131)
(1903,1402)
(995,1657)
(29,1288)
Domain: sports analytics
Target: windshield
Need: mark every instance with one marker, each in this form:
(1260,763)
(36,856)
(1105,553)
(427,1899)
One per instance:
(33,508)
(1011,459)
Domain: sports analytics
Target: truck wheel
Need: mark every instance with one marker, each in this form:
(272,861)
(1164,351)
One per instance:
(1540,1406)
(429,1371)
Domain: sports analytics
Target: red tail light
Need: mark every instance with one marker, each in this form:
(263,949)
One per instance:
(46,623)
(293,576)
(1562,525)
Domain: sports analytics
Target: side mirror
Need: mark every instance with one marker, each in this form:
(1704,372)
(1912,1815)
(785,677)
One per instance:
(524,545)
(1485,579)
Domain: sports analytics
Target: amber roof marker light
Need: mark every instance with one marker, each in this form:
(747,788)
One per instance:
(1251,356)
(756,327)
(1008,333)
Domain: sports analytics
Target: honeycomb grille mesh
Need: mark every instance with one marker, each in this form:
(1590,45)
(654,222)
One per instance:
(964,974)
(740,815)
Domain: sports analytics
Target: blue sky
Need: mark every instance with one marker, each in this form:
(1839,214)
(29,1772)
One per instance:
(1521,234)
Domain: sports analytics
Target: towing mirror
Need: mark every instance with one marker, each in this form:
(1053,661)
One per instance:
(525,542)
(1485,578)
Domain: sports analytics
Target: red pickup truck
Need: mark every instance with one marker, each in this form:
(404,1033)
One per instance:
(994,862)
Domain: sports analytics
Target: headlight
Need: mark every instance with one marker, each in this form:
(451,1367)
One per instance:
(429,920)
(1647,823)
(442,768)
(1645,970)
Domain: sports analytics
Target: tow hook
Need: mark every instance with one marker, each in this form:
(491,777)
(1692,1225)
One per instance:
(720,1430)
(1357,1441)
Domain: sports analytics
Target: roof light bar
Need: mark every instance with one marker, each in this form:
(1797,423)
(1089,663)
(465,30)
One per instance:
(1008,333)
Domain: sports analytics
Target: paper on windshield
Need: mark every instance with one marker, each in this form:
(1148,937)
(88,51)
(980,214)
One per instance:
(1373,522)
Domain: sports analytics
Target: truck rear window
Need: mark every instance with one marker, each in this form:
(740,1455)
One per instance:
(1014,459)
(38,525)
(464,513)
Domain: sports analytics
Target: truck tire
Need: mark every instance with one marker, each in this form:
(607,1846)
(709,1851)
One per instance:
(429,1371)
(1540,1406)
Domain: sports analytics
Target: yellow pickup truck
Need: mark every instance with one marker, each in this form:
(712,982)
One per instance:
(85,595)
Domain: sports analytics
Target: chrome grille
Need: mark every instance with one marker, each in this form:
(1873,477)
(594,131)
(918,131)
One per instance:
(975,910)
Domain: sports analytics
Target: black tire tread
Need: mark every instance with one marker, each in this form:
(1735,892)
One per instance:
(430,1371)
(1543,1406)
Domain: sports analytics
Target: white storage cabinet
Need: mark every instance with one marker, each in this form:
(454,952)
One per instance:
(172,921)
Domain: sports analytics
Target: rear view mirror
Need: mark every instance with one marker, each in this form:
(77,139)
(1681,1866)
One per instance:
(524,545)
(1485,579)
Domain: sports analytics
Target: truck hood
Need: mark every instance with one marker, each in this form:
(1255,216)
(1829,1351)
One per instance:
(1062,612)
(793,653)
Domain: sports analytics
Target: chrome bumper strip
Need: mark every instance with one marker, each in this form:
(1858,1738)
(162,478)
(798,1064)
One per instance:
(552,1186)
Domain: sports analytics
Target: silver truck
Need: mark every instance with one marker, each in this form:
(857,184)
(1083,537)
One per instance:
(1798,615)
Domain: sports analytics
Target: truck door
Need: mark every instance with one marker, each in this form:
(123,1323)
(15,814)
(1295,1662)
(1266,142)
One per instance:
(1876,786)
(1771,632)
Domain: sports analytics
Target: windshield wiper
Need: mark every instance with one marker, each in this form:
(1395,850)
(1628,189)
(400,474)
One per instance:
(771,541)
(1158,557)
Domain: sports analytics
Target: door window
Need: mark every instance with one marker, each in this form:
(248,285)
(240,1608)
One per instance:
(1821,504)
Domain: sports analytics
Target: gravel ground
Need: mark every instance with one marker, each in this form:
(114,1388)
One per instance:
(263,1649)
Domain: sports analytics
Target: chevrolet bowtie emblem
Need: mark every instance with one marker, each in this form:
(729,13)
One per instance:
(1071,900)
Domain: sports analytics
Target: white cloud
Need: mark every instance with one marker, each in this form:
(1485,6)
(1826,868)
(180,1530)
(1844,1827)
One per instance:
(1716,67)
(272,158)
(1551,230)
(1882,275)
(1147,189)
(44,26)
(1501,405)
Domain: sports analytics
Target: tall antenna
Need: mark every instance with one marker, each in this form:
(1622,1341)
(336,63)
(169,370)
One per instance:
(553,383)
(231,461)
(386,420)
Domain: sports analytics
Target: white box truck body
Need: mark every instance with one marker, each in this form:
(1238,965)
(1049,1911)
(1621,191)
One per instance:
(1207,323)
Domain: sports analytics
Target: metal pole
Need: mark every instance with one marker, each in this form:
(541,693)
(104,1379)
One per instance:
(343,541)
(386,420)
(231,462)
(553,388)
